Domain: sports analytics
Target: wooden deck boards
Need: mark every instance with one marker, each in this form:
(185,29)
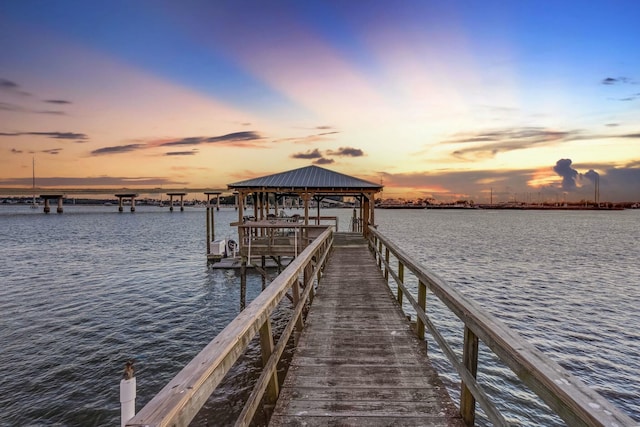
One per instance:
(357,361)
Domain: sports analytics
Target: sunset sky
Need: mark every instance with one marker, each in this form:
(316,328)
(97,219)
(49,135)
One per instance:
(444,99)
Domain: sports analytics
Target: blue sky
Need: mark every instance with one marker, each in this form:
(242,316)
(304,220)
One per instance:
(447,100)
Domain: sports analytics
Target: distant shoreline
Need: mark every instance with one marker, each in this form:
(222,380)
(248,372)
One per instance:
(611,207)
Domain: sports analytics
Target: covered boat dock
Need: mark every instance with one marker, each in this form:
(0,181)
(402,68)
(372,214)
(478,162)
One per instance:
(268,232)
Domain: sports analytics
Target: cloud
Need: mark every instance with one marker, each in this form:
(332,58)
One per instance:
(181,153)
(616,183)
(323,161)
(114,181)
(194,140)
(57,101)
(612,81)
(5,106)
(73,136)
(309,139)
(61,135)
(631,135)
(234,137)
(497,141)
(117,149)
(237,138)
(52,112)
(310,154)
(346,151)
(563,168)
(7,84)
(52,151)
(12,87)
(15,151)
(456,184)
(592,175)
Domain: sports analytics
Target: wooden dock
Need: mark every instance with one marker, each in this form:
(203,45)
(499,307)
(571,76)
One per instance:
(357,361)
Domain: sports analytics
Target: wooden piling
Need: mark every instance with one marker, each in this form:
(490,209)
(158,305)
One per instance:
(243,283)
(122,196)
(48,197)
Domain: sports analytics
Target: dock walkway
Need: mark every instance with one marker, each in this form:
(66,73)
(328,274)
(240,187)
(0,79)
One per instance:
(357,361)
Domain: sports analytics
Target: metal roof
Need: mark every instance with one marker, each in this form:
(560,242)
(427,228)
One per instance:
(309,177)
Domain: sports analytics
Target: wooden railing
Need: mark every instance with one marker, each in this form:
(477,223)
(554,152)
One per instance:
(276,237)
(572,400)
(325,220)
(181,399)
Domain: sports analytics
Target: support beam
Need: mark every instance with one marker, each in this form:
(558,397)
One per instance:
(130,196)
(47,206)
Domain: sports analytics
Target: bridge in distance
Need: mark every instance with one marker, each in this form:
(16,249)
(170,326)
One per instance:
(22,191)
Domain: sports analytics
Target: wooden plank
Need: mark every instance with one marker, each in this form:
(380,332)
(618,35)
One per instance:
(294,421)
(368,394)
(358,361)
(365,408)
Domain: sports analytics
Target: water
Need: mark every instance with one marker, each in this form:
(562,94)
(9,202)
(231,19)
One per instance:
(569,282)
(82,292)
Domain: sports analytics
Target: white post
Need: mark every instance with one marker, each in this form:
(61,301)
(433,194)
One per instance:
(127,400)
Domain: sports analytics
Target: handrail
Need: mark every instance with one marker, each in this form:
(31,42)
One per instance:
(570,398)
(181,399)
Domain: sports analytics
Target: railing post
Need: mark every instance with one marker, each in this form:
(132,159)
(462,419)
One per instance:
(379,254)
(319,274)
(401,277)
(295,291)
(470,361)
(266,347)
(306,275)
(422,302)
(386,268)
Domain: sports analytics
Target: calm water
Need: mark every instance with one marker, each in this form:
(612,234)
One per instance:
(82,292)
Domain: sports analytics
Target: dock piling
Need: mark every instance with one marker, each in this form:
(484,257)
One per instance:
(181,194)
(122,196)
(47,203)
(211,231)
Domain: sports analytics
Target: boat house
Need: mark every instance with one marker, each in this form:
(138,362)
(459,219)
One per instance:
(269,232)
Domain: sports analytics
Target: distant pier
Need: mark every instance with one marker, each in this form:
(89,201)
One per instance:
(47,197)
(130,196)
(123,194)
